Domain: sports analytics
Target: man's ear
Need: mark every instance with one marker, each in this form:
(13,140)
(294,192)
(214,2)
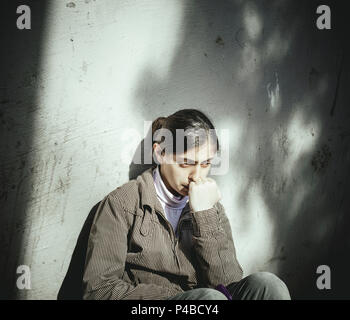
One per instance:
(157,153)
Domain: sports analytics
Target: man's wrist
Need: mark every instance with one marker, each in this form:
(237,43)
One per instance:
(205,221)
(201,208)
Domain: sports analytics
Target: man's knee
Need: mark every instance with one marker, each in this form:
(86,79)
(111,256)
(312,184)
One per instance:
(271,286)
(206,294)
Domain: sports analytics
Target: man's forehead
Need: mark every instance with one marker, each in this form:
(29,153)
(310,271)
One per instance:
(200,154)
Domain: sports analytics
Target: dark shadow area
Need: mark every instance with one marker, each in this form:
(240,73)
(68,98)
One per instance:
(19,90)
(71,288)
(319,228)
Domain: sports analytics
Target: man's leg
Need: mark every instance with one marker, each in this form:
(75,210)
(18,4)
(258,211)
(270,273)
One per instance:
(200,294)
(259,286)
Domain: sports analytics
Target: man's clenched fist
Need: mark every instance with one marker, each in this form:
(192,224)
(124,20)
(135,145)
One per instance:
(203,194)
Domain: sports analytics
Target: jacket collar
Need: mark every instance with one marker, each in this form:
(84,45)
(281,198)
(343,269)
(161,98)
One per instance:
(147,191)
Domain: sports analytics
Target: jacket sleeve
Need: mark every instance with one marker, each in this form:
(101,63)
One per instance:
(214,247)
(106,255)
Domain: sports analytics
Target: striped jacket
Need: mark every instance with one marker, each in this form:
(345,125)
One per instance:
(133,252)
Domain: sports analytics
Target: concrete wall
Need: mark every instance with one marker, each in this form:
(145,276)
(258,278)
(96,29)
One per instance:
(90,71)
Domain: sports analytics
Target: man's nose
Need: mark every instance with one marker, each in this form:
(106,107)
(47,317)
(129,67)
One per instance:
(195,174)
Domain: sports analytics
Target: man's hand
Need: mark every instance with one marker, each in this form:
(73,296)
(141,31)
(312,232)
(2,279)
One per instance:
(203,194)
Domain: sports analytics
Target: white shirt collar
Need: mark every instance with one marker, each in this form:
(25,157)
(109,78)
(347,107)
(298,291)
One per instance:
(165,195)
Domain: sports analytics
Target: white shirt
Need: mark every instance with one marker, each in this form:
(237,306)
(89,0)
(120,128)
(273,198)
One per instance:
(172,205)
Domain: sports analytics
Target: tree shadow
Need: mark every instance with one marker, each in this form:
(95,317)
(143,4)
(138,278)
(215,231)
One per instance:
(266,65)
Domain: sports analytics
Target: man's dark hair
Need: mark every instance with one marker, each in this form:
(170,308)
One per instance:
(191,121)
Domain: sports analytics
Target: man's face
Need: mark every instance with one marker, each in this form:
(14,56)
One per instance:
(179,170)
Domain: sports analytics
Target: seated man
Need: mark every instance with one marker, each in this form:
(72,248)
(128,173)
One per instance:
(165,235)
